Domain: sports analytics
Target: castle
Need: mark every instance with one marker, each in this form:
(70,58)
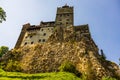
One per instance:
(32,34)
(61,41)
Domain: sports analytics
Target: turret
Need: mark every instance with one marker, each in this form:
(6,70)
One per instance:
(64,16)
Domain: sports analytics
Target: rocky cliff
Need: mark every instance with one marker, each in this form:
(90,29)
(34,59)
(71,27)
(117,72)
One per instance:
(81,52)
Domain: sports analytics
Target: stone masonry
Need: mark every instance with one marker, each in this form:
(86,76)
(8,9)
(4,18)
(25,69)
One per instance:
(33,34)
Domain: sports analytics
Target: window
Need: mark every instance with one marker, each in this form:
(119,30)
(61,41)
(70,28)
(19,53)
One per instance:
(68,15)
(67,19)
(39,40)
(66,22)
(60,15)
(43,40)
(51,28)
(30,36)
(32,42)
(44,34)
(60,23)
(25,43)
(60,20)
(41,29)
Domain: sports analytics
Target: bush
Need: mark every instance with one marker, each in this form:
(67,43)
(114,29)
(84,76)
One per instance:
(67,66)
(108,78)
(84,77)
(12,66)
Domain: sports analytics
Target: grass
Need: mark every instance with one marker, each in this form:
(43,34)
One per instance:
(42,76)
(39,76)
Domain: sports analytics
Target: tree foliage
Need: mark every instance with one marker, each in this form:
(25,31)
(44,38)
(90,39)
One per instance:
(103,55)
(12,66)
(3,50)
(2,15)
(67,66)
(108,78)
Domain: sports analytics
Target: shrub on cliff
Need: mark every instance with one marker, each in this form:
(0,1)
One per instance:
(108,78)
(67,66)
(12,66)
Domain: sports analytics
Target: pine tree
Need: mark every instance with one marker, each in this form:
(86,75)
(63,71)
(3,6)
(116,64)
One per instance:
(103,55)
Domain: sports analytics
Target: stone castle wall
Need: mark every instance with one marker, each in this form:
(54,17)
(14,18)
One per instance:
(32,34)
(21,36)
(37,36)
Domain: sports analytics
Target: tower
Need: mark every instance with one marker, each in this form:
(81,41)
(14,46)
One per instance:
(64,16)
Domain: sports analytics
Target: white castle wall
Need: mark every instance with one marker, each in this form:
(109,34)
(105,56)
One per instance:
(37,36)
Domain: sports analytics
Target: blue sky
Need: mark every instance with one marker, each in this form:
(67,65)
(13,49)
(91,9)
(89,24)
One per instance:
(103,17)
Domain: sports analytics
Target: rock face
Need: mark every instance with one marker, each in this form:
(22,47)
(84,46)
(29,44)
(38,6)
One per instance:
(81,52)
(49,56)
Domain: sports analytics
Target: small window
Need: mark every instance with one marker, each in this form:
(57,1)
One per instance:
(68,15)
(25,43)
(67,19)
(30,36)
(60,20)
(43,40)
(66,22)
(32,42)
(51,28)
(60,23)
(60,15)
(41,29)
(44,34)
(39,40)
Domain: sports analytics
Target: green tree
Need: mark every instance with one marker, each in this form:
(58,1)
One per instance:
(67,66)
(2,15)
(3,50)
(103,55)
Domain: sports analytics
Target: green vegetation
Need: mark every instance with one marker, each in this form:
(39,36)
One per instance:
(108,78)
(103,56)
(44,76)
(13,66)
(39,76)
(2,15)
(67,66)
(3,50)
